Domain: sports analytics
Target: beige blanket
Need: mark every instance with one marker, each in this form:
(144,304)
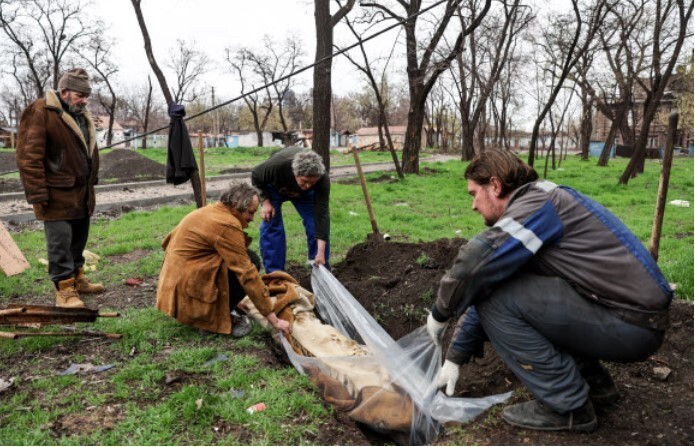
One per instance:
(349,377)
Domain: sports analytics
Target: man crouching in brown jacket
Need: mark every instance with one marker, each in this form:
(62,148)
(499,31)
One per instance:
(58,162)
(207,267)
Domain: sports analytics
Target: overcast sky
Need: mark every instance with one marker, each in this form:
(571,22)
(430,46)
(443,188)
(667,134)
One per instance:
(214,25)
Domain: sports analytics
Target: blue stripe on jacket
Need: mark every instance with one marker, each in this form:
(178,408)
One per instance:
(625,236)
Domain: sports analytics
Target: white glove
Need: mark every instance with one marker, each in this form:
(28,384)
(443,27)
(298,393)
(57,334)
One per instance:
(448,375)
(435,329)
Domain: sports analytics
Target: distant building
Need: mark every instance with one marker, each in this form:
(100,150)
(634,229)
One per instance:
(249,138)
(101,122)
(370,135)
(656,139)
(8,136)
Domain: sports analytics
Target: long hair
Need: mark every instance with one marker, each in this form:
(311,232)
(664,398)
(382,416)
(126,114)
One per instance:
(503,164)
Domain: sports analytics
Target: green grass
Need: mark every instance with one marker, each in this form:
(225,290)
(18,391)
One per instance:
(425,207)
(201,410)
(148,412)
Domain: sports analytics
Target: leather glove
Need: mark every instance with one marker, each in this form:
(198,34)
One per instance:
(435,329)
(448,375)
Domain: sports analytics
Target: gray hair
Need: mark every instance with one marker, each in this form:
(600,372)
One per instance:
(308,163)
(239,196)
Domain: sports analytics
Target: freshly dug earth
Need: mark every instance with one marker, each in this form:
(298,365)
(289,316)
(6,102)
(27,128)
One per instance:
(121,165)
(8,163)
(128,165)
(397,283)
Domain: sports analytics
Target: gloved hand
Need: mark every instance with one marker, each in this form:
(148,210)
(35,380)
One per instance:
(448,376)
(435,329)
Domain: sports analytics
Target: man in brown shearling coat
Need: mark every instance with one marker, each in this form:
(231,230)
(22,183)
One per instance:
(58,162)
(207,269)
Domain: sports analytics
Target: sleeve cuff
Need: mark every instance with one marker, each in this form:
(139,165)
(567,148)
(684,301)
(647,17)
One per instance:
(440,317)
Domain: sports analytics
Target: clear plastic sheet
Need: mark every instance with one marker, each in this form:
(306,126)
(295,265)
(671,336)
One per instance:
(385,384)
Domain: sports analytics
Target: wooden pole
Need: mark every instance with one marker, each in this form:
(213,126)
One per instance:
(372,219)
(663,186)
(204,194)
(11,139)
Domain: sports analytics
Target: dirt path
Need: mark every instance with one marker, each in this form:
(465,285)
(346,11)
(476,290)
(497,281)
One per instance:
(13,206)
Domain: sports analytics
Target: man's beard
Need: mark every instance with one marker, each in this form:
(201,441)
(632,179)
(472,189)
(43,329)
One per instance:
(77,108)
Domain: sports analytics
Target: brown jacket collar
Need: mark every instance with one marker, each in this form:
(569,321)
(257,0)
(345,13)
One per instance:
(53,102)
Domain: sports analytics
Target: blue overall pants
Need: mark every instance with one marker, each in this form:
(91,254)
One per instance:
(273,242)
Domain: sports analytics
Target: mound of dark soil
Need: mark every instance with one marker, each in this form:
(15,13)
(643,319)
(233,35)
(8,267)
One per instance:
(397,283)
(126,165)
(10,185)
(235,170)
(8,162)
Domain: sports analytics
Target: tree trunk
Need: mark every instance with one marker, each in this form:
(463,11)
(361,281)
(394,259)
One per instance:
(195,177)
(586,125)
(608,145)
(148,108)
(636,163)
(413,138)
(322,75)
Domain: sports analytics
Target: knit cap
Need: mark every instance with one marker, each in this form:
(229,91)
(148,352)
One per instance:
(76,79)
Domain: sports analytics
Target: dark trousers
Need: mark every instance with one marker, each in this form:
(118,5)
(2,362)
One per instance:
(65,242)
(273,241)
(540,326)
(236,292)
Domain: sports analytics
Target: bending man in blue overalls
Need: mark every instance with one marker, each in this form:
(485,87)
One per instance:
(299,176)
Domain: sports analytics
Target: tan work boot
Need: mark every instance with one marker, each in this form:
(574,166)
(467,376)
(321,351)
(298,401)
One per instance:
(84,286)
(66,294)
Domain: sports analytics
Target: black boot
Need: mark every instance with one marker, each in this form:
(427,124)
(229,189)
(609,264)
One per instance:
(602,388)
(536,416)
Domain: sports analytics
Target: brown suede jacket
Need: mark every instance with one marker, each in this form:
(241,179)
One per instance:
(193,285)
(53,161)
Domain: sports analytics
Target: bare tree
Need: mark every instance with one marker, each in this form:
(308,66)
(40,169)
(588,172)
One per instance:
(188,65)
(281,61)
(42,32)
(97,53)
(607,72)
(254,70)
(564,54)
(322,94)
(299,108)
(669,29)
(150,54)
(23,91)
(378,88)
(195,176)
(426,61)
(137,107)
(481,65)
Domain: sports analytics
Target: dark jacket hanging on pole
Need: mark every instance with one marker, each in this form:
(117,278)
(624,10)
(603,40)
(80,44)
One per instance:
(181,162)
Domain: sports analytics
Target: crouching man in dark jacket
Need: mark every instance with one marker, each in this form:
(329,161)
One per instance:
(58,162)
(556,284)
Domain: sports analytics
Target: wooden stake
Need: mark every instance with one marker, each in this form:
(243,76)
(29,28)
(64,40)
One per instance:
(12,261)
(663,186)
(372,219)
(204,194)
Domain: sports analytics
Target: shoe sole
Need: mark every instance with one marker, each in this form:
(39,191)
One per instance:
(585,428)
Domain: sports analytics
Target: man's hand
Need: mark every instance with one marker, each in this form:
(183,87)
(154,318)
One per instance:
(448,375)
(320,258)
(267,211)
(283,326)
(435,329)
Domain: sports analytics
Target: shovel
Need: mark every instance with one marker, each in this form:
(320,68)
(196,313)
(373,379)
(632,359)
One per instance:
(21,313)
